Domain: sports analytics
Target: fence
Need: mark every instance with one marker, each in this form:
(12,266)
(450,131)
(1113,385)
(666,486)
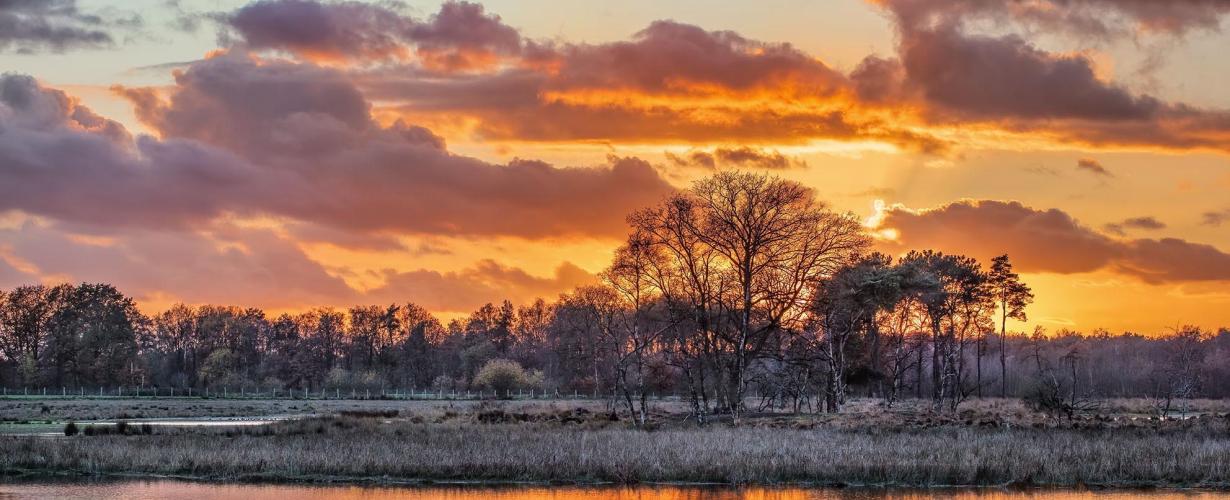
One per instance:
(336,393)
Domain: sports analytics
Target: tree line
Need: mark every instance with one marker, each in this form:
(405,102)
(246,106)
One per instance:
(741,293)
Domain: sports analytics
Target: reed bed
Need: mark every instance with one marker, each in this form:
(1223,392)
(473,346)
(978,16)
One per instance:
(392,450)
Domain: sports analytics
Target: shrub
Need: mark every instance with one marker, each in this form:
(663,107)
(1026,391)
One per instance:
(70,429)
(504,375)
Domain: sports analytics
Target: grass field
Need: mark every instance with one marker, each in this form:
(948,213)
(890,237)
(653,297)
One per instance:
(991,442)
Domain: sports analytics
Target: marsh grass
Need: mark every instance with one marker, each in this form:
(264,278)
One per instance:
(347,448)
(989,442)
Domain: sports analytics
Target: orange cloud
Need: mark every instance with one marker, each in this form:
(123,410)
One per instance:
(294,141)
(678,83)
(1046,241)
(744,156)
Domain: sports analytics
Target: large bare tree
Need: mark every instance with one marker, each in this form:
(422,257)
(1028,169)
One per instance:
(747,252)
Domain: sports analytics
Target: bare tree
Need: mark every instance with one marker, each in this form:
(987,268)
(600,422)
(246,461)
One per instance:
(1178,377)
(690,285)
(749,250)
(635,334)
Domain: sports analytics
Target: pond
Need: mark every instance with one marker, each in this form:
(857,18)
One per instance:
(176,490)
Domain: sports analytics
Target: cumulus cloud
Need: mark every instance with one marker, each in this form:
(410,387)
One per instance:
(956,75)
(321,31)
(1047,241)
(460,36)
(997,77)
(288,140)
(282,126)
(672,57)
(672,82)
(1146,223)
(463,68)
(30,26)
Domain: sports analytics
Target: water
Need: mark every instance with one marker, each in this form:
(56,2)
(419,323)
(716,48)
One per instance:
(176,490)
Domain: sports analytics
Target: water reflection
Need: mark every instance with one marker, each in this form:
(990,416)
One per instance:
(175,490)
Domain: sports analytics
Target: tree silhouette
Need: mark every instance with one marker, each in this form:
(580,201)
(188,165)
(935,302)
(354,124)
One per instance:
(1013,297)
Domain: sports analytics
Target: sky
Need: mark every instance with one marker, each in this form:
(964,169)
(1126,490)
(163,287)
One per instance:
(287,154)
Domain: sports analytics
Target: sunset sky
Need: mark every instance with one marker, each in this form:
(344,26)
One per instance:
(292,153)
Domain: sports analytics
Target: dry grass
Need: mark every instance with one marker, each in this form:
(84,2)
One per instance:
(989,442)
(590,449)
